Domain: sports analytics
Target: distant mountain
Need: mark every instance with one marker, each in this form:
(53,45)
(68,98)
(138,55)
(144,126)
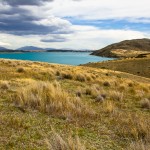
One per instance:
(3,48)
(30,48)
(33,48)
(127,48)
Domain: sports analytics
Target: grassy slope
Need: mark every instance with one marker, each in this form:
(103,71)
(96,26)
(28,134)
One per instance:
(106,110)
(125,49)
(138,66)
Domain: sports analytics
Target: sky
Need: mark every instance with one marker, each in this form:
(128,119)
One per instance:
(75,24)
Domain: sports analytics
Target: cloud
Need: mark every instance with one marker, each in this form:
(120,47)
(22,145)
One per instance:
(54,38)
(26,25)
(139,20)
(83,37)
(47,23)
(4,44)
(101,9)
(24,2)
(21,21)
(95,38)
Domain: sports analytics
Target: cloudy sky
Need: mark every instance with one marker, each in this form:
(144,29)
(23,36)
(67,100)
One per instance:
(76,24)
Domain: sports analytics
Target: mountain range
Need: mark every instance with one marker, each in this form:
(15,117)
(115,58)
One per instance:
(34,48)
(3,48)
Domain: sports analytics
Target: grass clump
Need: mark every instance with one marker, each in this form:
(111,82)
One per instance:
(99,98)
(67,76)
(109,107)
(50,98)
(139,145)
(20,70)
(116,95)
(106,83)
(145,103)
(132,126)
(59,142)
(80,77)
(4,85)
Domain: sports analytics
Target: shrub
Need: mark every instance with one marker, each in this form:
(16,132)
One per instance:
(99,98)
(80,77)
(4,85)
(145,103)
(88,78)
(67,75)
(79,93)
(20,70)
(88,91)
(104,96)
(106,83)
(130,84)
(57,73)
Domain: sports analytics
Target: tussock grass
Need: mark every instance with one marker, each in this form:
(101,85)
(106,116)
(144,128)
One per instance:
(80,77)
(145,103)
(111,115)
(66,75)
(131,126)
(109,107)
(4,85)
(116,95)
(139,145)
(20,70)
(106,83)
(58,142)
(52,99)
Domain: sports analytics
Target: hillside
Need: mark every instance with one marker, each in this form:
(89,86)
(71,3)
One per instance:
(3,48)
(57,107)
(128,48)
(136,66)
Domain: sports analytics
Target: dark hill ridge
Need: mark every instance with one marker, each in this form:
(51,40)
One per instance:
(127,48)
(27,48)
(3,48)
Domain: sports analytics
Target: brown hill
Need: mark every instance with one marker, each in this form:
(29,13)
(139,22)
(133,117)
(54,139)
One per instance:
(127,48)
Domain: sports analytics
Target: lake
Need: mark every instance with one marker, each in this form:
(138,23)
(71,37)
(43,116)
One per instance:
(69,58)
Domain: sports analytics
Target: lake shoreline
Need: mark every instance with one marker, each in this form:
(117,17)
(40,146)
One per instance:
(38,51)
(68,58)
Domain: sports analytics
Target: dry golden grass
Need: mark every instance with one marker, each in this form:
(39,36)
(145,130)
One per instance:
(128,53)
(136,66)
(139,145)
(106,109)
(58,142)
(145,103)
(52,99)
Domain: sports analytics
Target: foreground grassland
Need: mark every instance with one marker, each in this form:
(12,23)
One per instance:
(57,107)
(136,66)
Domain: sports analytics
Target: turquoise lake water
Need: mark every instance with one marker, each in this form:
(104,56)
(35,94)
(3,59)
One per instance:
(69,58)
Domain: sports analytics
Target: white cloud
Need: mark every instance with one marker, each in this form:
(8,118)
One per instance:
(88,37)
(4,7)
(4,44)
(94,38)
(84,37)
(100,9)
(52,21)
